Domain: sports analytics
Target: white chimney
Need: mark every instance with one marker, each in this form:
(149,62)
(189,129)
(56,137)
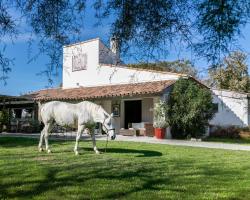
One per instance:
(114,46)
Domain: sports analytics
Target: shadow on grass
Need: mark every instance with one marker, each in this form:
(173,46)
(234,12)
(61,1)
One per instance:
(116,177)
(23,141)
(17,141)
(148,176)
(52,182)
(141,152)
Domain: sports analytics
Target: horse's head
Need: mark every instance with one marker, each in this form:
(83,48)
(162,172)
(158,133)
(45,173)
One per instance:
(108,126)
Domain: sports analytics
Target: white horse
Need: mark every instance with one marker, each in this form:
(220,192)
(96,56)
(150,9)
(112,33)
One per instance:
(74,115)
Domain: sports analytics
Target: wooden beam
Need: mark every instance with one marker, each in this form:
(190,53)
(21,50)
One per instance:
(18,102)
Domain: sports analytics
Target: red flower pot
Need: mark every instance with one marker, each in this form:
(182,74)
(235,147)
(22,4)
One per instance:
(160,133)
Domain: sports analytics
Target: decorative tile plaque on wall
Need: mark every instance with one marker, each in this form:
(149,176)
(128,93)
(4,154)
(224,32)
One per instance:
(79,62)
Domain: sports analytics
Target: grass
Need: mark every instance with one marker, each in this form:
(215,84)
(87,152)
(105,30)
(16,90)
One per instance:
(126,171)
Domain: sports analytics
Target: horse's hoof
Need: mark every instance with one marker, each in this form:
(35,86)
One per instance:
(76,153)
(40,149)
(49,151)
(97,152)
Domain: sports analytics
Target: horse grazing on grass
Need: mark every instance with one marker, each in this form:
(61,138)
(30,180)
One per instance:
(74,115)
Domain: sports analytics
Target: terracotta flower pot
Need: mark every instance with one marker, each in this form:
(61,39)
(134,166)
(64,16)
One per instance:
(160,133)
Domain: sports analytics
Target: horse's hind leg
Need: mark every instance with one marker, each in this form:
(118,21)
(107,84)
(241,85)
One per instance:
(46,130)
(78,136)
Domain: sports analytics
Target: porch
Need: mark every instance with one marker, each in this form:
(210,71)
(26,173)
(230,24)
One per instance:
(132,116)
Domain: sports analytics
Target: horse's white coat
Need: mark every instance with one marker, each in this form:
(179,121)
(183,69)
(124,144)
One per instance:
(74,115)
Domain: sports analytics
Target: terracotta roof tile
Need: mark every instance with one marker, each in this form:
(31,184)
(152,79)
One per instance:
(84,93)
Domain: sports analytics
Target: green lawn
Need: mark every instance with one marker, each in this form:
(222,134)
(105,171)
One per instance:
(126,171)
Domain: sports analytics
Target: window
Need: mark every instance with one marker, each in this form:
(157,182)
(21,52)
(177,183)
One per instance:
(116,110)
(215,107)
(79,62)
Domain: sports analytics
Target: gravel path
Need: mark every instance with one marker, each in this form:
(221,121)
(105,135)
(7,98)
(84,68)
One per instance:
(202,144)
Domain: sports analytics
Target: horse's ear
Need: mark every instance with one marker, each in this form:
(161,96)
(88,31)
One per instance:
(111,115)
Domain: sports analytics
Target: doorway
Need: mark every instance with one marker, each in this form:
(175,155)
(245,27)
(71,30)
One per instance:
(133,112)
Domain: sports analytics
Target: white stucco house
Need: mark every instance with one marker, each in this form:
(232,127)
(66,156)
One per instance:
(232,108)
(92,71)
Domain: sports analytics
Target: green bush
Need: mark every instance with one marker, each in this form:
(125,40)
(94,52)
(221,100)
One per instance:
(190,108)
(247,129)
(35,126)
(226,132)
(4,119)
(29,126)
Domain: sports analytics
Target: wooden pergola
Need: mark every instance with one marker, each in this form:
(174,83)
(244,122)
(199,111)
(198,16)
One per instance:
(8,102)
(18,103)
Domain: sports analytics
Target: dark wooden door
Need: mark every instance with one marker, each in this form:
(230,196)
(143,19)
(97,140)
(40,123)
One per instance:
(132,112)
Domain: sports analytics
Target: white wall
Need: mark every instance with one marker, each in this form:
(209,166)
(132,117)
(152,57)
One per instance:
(74,79)
(98,74)
(232,108)
(147,109)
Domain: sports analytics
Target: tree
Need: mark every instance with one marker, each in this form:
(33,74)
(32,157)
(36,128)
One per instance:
(7,27)
(54,23)
(178,66)
(209,27)
(190,108)
(232,73)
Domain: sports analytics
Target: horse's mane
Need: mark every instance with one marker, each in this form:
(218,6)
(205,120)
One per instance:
(96,107)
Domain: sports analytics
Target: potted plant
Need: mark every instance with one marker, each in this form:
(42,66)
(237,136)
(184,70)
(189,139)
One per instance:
(160,119)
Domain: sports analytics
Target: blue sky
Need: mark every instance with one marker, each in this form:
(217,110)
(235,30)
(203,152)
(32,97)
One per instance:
(24,76)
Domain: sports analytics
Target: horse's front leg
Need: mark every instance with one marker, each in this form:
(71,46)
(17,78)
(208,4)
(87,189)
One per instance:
(78,136)
(94,143)
(46,131)
(40,146)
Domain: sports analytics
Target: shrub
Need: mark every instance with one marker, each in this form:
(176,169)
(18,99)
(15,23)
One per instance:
(232,132)
(35,126)
(245,134)
(30,126)
(226,132)
(190,108)
(245,129)
(4,119)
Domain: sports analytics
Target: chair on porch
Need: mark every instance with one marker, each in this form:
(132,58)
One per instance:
(139,129)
